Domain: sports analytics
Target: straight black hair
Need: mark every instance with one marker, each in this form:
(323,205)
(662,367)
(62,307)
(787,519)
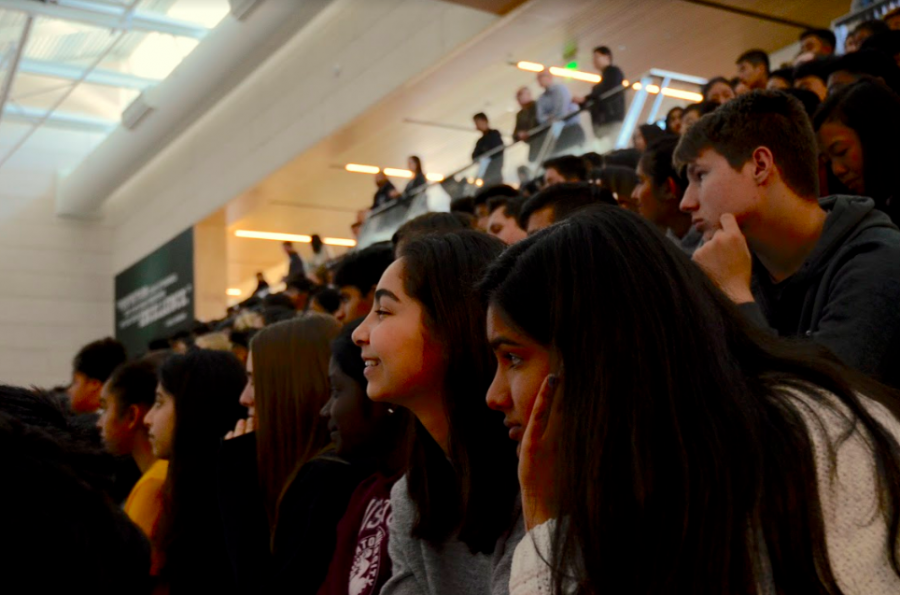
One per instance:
(702,108)
(363,269)
(572,168)
(486,194)
(418,164)
(826,36)
(821,68)
(688,465)
(755,57)
(872,110)
(328,298)
(564,199)
(651,132)
(97,360)
(705,89)
(472,488)
(60,534)
(205,386)
(872,63)
(429,223)
(133,383)
(657,163)
(671,116)
(786,74)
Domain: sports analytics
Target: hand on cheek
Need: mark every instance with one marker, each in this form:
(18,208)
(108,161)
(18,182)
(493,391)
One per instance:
(725,257)
(538,456)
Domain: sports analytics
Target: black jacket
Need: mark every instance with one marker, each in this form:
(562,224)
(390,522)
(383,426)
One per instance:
(611,109)
(383,195)
(306,530)
(244,522)
(846,296)
(489,141)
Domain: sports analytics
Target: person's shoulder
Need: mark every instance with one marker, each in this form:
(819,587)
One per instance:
(830,418)
(323,466)
(158,471)
(401,504)
(859,227)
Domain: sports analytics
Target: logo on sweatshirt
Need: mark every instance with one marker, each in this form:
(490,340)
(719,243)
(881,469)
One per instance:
(367,561)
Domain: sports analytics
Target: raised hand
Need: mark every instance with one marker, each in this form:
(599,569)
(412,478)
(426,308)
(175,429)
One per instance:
(725,257)
(538,456)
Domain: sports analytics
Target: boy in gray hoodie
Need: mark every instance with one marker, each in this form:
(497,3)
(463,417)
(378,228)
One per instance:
(827,269)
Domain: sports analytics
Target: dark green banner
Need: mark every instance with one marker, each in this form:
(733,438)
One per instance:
(155,297)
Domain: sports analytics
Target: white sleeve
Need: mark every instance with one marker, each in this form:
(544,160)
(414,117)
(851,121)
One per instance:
(855,529)
(530,573)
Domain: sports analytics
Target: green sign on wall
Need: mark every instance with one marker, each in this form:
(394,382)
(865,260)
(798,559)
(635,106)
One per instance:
(155,297)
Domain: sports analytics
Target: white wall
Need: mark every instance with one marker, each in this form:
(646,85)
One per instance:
(57,274)
(289,104)
(56,292)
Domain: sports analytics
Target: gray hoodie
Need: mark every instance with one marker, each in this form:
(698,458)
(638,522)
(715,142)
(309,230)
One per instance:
(420,568)
(846,296)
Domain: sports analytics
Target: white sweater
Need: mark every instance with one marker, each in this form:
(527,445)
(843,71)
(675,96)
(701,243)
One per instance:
(855,530)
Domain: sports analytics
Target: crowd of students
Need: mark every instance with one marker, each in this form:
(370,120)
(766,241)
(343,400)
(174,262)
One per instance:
(670,369)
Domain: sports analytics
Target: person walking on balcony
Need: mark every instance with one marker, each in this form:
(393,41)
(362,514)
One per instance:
(418,181)
(606,101)
(526,121)
(556,104)
(386,191)
(489,141)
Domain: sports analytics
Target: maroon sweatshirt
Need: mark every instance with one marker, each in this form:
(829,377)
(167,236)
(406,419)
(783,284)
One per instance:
(361,565)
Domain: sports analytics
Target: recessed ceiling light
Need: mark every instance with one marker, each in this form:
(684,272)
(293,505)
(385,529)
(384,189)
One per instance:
(291,237)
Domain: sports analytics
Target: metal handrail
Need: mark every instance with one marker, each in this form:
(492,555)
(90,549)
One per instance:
(864,14)
(654,73)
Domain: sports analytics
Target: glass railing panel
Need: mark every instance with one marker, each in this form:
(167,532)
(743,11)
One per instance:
(522,161)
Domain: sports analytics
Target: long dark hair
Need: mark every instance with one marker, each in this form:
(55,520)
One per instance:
(206,387)
(671,116)
(472,488)
(687,464)
(872,110)
(418,171)
(657,164)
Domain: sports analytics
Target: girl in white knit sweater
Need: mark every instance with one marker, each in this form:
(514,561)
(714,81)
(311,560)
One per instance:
(666,446)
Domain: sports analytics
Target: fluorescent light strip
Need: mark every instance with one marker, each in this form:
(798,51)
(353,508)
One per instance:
(361,169)
(557,71)
(291,237)
(575,74)
(233,292)
(679,94)
(397,173)
(394,172)
(530,66)
(669,92)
